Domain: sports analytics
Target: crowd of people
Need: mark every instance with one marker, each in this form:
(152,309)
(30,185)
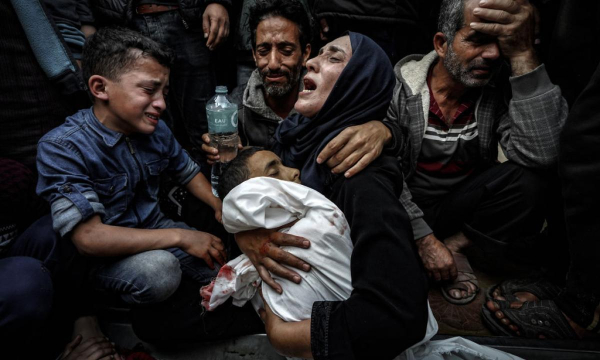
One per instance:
(394,126)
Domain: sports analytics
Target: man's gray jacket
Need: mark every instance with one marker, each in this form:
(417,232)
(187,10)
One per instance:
(527,124)
(257,121)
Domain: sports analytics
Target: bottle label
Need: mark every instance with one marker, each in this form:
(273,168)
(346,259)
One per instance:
(222,120)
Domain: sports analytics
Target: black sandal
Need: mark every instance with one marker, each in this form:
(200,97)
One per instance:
(533,319)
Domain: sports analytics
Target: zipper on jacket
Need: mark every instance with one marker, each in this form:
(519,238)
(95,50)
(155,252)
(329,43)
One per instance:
(132,151)
(185,24)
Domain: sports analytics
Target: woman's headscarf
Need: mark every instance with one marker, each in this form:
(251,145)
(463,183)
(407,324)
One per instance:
(362,93)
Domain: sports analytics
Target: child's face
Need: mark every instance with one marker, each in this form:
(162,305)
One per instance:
(137,99)
(266,163)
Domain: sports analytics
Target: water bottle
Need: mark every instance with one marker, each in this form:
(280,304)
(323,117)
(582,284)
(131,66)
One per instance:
(222,116)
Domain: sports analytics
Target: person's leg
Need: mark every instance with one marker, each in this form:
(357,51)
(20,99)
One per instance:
(498,210)
(579,165)
(503,205)
(143,278)
(69,272)
(26,293)
(580,172)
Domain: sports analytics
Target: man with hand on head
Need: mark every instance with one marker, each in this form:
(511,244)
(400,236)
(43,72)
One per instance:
(456,104)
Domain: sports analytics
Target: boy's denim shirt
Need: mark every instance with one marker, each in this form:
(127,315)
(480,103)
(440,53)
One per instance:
(86,169)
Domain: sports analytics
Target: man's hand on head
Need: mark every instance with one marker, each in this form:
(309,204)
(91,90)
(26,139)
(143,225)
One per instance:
(355,148)
(513,22)
(437,258)
(262,246)
(215,24)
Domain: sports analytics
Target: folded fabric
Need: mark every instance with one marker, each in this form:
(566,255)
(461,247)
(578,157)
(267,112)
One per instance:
(270,203)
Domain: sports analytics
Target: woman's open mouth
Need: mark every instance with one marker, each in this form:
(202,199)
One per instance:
(309,85)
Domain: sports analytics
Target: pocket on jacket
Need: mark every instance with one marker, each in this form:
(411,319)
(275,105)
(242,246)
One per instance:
(155,168)
(113,195)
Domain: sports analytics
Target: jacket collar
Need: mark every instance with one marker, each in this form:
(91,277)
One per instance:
(110,137)
(254,96)
(412,72)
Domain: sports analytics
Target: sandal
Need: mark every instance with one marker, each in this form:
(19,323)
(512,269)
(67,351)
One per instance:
(465,274)
(533,319)
(540,287)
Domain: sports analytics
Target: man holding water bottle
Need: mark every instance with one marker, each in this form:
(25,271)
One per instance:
(281,33)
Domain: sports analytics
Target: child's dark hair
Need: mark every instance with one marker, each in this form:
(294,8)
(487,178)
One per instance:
(236,171)
(111,51)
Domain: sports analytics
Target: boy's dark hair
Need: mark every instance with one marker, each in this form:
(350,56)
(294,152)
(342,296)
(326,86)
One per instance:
(293,10)
(111,51)
(236,171)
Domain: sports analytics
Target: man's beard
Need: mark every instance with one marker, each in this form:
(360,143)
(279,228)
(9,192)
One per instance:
(281,89)
(463,74)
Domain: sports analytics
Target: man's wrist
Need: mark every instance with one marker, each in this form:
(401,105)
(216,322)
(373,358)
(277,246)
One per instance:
(425,240)
(387,133)
(524,62)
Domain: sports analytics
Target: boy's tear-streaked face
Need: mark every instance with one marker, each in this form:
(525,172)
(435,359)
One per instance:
(266,163)
(136,99)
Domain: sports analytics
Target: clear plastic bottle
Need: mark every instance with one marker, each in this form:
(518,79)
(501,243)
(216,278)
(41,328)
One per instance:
(222,116)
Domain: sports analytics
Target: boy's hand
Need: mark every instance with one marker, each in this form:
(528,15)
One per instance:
(203,245)
(215,23)
(262,248)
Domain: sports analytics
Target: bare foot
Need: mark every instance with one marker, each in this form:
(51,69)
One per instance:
(521,296)
(87,327)
(89,342)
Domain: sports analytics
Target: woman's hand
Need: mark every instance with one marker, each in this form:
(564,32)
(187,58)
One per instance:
(355,148)
(262,248)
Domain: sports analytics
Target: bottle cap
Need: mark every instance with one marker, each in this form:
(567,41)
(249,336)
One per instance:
(221,89)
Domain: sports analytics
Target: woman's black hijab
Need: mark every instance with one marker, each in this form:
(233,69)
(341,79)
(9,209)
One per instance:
(362,93)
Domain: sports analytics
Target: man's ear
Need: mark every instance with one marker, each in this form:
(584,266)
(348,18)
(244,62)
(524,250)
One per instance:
(306,54)
(97,85)
(440,44)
